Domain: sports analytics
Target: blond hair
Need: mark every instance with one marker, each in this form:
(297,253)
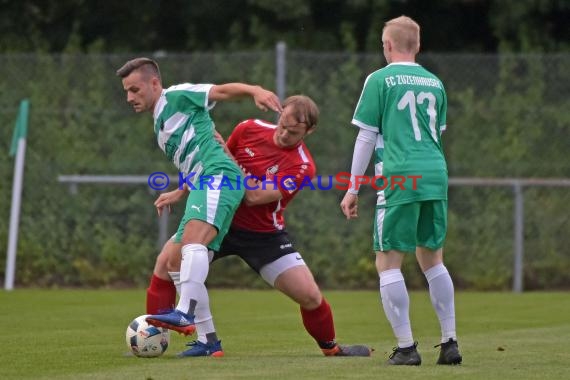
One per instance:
(404,34)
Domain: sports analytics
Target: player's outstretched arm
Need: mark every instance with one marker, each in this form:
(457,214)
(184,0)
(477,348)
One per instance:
(264,99)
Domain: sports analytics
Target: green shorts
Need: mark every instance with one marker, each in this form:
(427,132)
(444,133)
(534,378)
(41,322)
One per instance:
(215,205)
(405,227)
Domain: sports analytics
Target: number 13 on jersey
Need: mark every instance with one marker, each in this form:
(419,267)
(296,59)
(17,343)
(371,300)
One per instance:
(409,100)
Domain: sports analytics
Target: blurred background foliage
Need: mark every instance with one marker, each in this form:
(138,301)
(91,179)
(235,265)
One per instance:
(317,25)
(504,65)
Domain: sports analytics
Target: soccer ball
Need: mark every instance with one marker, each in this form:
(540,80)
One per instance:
(146,341)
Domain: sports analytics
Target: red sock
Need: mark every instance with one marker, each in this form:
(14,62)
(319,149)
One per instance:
(160,295)
(319,323)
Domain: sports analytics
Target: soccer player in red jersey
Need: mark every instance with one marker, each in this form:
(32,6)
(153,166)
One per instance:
(276,163)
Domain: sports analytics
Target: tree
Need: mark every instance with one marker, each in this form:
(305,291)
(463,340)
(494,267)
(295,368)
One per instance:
(323,25)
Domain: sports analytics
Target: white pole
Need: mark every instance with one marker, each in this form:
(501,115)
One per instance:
(15,215)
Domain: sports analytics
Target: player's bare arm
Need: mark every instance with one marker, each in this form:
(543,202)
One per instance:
(264,99)
(169,198)
(259,193)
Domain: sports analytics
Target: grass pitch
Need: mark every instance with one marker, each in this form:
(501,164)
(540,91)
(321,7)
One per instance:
(79,334)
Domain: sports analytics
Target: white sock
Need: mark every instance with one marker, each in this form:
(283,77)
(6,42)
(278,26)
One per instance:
(442,299)
(194,268)
(203,328)
(175,277)
(203,319)
(396,303)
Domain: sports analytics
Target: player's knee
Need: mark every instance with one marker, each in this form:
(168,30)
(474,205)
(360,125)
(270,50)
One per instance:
(173,263)
(311,299)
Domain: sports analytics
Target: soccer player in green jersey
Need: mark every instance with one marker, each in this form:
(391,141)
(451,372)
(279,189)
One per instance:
(185,132)
(401,114)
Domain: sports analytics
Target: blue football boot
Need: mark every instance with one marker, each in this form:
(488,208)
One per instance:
(198,348)
(174,320)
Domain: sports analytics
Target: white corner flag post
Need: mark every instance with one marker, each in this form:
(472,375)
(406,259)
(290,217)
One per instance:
(18,148)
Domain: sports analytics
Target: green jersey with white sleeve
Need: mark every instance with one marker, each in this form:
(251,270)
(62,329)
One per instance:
(406,105)
(185,132)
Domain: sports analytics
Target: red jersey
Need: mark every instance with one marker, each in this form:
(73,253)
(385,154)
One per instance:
(252,145)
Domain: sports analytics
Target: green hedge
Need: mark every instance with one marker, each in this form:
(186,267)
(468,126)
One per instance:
(507,118)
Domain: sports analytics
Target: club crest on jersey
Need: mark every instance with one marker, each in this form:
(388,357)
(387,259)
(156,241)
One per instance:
(272,170)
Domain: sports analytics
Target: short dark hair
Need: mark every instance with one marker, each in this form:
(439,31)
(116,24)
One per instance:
(306,111)
(146,65)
